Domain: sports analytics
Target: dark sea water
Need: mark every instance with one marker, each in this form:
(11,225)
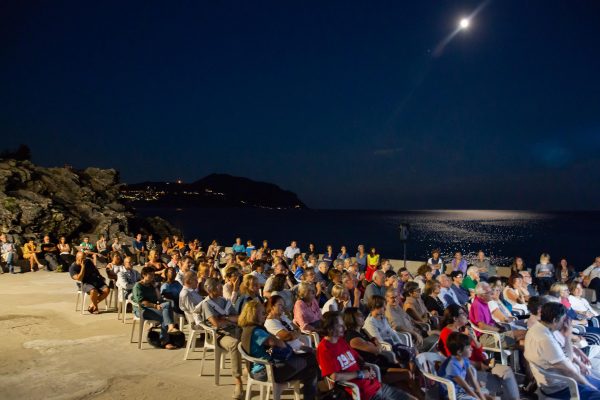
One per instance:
(501,234)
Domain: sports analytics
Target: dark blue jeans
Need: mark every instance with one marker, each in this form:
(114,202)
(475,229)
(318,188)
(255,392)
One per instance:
(388,392)
(164,316)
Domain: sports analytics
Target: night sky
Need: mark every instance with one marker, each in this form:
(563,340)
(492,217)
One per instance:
(343,102)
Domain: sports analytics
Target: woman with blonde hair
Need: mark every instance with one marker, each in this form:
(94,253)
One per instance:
(544,273)
(259,343)
(339,300)
(249,290)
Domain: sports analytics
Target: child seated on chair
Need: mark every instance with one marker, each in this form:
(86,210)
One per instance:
(457,368)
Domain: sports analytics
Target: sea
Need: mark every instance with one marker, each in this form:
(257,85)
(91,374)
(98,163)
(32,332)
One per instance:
(501,234)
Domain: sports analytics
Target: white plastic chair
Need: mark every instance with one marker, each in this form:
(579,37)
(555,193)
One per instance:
(405,339)
(81,295)
(270,385)
(426,364)
(572,384)
(353,386)
(143,323)
(194,331)
(314,338)
(497,341)
(211,343)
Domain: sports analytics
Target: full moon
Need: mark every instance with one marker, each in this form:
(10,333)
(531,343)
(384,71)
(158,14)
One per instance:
(464,23)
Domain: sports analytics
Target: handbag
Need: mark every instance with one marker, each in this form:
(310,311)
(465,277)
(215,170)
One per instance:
(279,355)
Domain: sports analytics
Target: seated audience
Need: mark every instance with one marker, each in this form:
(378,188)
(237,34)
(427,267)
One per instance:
(414,305)
(498,378)
(435,263)
(170,289)
(457,368)
(579,304)
(432,299)
(544,274)
(249,290)
(447,295)
(90,281)
(127,277)
(153,307)
(219,313)
(371,350)
(278,324)
(339,363)
(307,314)
(483,264)
(543,351)
(513,295)
(424,274)
(190,298)
(259,343)
(565,273)
(471,280)
(481,317)
(339,299)
(30,253)
(459,263)
(462,295)
(376,287)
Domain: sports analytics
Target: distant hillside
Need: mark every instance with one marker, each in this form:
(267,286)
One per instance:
(214,190)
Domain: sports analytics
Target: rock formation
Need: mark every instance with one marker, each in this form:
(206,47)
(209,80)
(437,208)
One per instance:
(36,200)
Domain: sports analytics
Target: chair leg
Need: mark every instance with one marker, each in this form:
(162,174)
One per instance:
(191,344)
(249,389)
(141,334)
(77,302)
(218,356)
(203,358)
(132,330)
(83,296)
(297,390)
(262,396)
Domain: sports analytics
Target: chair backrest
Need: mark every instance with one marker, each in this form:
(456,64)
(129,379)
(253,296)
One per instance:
(572,384)
(210,334)
(426,361)
(249,360)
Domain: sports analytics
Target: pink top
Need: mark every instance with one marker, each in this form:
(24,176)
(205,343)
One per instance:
(306,314)
(480,312)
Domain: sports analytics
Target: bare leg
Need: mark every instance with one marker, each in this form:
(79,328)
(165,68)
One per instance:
(94,297)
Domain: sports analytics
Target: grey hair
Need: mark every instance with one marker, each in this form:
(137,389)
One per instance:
(440,276)
(471,269)
(211,284)
(481,287)
(303,288)
(379,272)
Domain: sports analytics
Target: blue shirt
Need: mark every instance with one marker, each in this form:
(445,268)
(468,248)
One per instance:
(257,347)
(172,290)
(238,248)
(452,368)
(249,250)
(362,261)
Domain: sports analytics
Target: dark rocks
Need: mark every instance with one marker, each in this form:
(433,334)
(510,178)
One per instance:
(35,201)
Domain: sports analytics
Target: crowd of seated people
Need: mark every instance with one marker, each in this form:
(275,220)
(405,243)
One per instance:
(361,308)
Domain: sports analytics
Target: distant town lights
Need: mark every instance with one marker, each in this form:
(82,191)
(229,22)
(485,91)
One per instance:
(464,23)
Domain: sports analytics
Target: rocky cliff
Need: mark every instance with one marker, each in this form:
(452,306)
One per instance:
(36,200)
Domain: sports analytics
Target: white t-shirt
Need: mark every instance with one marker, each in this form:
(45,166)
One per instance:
(543,350)
(330,305)
(592,271)
(274,325)
(581,305)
